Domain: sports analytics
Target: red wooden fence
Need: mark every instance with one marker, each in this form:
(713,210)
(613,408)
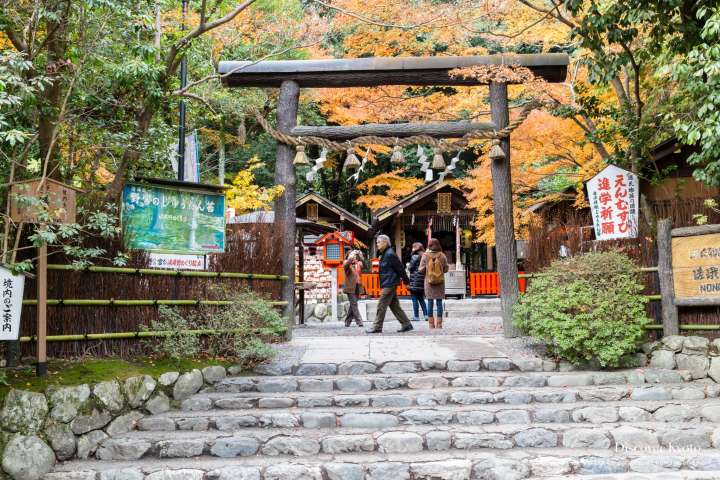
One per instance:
(371,282)
(480,283)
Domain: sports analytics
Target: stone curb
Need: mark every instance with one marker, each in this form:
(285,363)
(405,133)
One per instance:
(413,440)
(437,397)
(491,467)
(375,382)
(517,414)
(407,366)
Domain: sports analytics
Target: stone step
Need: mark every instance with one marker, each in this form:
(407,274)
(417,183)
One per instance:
(404,439)
(451,464)
(358,378)
(679,475)
(583,412)
(430,397)
(453,309)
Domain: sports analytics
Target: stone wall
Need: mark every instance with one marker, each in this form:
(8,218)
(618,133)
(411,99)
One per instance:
(697,355)
(317,298)
(38,429)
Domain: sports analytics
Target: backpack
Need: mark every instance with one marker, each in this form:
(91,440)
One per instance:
(434,272)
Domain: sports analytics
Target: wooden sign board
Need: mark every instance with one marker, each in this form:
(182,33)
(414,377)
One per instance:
(60,198)
(696,269)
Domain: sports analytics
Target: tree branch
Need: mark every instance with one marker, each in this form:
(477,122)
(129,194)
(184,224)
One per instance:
(237,69)
(554,12)
(365,19)
(16,41)
(636,70)
(512,35)
(171,57)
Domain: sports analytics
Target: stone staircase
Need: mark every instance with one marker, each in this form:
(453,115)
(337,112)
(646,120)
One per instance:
(458,420)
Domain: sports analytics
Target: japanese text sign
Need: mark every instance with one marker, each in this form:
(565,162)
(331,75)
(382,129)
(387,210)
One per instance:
(173,220)
(176,261)
(696,266)
(614,197)
(11,296)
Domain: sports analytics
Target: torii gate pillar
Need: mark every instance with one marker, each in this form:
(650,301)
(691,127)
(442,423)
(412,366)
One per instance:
(503,212)
(285,204)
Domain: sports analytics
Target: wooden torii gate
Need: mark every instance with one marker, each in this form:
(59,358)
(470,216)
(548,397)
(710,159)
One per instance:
(291,75)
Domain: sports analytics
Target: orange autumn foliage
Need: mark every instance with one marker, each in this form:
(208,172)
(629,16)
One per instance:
(384,190)
(548,153)
(543,150)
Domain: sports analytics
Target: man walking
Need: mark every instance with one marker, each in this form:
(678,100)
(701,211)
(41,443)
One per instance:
(392,273)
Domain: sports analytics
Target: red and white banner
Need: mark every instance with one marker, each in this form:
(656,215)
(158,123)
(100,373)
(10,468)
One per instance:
(614,196)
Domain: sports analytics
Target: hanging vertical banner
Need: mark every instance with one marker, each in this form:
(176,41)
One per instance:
(11,296)
(192,157)
(614,201)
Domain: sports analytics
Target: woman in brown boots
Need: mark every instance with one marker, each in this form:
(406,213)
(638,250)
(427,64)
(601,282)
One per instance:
(434,265)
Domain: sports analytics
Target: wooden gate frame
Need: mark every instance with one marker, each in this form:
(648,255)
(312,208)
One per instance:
(291,75)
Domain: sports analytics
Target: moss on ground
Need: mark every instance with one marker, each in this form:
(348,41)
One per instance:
(77,372)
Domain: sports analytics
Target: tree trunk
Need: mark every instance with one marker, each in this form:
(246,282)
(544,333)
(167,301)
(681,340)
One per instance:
(503,212)
(285,204)
(52,94)
(131,154)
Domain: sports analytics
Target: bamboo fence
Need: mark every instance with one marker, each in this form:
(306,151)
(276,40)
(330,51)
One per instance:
(102,310)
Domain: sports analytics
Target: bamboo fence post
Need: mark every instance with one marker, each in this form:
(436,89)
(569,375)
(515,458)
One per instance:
(665,273)
(42,312)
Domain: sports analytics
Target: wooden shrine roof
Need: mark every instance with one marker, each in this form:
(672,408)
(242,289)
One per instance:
(336,209)
(374,71)
(413,199)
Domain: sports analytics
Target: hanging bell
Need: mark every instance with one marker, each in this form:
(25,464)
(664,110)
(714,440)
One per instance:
(397,155)
(438,162)
(351,162)
(300,157)
(496,152)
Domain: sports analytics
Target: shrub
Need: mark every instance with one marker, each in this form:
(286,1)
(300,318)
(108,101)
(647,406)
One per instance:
(587,307)
(247,325)
(241,330)
(177,343)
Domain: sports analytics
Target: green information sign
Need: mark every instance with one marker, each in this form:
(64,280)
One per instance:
(172,219)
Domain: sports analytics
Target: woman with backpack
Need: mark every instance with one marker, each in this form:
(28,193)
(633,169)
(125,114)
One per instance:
(417,282)
(434,265)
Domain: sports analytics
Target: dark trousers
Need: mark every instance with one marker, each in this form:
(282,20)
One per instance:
(388,298)
(418,302)
(353,311)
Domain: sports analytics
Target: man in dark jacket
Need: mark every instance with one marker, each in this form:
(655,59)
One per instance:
(392,273)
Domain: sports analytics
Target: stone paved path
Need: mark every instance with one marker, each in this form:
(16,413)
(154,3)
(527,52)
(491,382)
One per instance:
(455,326)
(380,349)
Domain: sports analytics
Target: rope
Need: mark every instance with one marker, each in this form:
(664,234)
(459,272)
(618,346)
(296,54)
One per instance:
(440,144)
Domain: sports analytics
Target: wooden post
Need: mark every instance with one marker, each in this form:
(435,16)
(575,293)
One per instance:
(458,263)
(665,273)
(397,227)
(503,212)
(42,312)
(285,204)
(301,276)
